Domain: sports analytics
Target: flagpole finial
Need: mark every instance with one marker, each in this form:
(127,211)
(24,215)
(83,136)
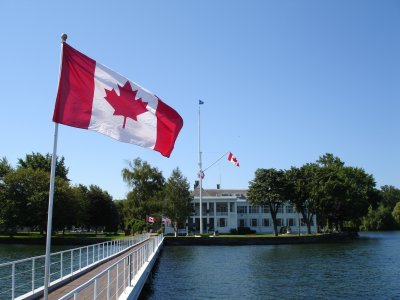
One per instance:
(64,37)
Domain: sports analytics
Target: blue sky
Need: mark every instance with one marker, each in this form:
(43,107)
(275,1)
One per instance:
(283,83)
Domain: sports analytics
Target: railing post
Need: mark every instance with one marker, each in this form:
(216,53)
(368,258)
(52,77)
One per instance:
(61,265)
(87,256)
(130,269)
(12,281)
(33,274)
(108,285)
(72,261)
(117,282)
(137,261)
(125,272)
(95,290)
(80,258)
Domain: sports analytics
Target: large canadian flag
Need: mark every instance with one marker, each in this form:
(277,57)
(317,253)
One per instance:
(91,96)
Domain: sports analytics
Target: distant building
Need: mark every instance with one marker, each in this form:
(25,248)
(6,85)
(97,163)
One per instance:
(226,209)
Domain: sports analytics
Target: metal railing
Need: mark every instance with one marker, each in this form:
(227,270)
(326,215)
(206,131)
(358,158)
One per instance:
(25,277)
(114,281)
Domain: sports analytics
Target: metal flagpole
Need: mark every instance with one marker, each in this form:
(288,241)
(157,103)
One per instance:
(51,198)
(200,177)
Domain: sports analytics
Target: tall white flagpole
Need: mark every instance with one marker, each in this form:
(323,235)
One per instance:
(200,178)
(51,199)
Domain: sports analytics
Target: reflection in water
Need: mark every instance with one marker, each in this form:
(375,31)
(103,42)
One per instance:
(367,268)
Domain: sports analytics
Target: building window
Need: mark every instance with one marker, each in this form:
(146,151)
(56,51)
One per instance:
(290,209)
(232,207)
(253,209)
(204,208)
(291,222)
(242,223)
(242,209)
(280,209)
(265,209)
(266,223)
(254,222)
(211,208)
(222,222)
(222,209)
(279,222)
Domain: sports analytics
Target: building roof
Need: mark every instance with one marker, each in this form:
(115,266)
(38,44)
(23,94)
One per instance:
(239,193)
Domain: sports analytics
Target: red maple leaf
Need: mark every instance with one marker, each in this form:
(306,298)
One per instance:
(125,104)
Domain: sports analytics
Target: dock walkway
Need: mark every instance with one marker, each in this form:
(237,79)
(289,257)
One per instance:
(71,285)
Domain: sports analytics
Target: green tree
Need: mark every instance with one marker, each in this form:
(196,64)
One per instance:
(396,213)
(178,199)
(101,210)
(299,191)
(119,205)
(66,207)
(26,196)
(343,194)
(5,167)
(80,192)
(39,161)
(379,218)
(268,188)
(146,196)
(25,200)
(390,196)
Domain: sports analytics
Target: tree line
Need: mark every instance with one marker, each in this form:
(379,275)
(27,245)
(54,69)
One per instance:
(24,194)
(341,197)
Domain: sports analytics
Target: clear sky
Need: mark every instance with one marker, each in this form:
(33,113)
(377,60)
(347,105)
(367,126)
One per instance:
(283,83)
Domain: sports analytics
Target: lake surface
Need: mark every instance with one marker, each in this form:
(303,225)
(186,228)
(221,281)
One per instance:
(366,268)
(23,270)
(19,251)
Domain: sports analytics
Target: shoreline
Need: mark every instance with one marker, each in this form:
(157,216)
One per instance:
(198,241)
(54,241)
(245,241)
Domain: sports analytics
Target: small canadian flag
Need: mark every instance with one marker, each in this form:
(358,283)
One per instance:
(150,219)
(233,159)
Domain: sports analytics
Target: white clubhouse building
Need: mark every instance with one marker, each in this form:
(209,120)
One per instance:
(226,209)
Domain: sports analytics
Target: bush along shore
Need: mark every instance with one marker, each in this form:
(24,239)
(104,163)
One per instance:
(257,240)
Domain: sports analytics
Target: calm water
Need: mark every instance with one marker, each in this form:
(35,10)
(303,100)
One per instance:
(367,268)
(23,271)
(17,251)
